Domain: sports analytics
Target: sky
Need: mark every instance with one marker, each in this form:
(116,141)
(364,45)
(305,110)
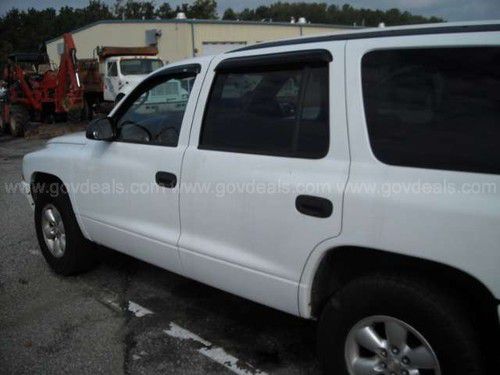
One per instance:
(451,10)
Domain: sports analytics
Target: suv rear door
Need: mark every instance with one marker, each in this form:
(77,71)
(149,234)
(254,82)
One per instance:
(265,169)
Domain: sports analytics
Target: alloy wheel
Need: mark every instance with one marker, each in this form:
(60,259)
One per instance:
(383,345)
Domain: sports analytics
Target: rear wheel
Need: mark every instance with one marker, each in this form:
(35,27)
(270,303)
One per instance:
(381,325)
(62,243)
(19,118)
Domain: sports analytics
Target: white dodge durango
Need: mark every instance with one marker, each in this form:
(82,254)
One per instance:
(349,178)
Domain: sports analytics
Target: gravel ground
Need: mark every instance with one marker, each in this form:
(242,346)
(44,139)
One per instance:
(84,324)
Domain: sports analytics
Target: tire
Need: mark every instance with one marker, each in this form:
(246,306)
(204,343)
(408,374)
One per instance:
(397,302)
(19,118)
(78,253)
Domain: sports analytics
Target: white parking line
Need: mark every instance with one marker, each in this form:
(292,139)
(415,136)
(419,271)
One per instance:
(215,353)
(180,333)
(133,307)
(138,310)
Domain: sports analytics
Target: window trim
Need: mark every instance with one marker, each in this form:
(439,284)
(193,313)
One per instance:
(158,77)
(269,62)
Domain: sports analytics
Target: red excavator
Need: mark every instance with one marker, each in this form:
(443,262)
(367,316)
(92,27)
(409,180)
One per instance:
(34,92)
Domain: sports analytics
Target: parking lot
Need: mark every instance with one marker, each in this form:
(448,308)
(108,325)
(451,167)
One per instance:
(126,316)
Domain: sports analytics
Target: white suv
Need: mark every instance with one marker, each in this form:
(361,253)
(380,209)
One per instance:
(350,178)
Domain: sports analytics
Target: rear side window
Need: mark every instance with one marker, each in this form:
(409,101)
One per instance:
(276,110)
(434,108)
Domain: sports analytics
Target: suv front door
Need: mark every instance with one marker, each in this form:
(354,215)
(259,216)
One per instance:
(134,204)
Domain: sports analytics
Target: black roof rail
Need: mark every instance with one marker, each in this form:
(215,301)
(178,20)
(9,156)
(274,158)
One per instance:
(377,33)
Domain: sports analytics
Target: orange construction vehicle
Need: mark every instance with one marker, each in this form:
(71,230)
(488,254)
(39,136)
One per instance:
(34,92)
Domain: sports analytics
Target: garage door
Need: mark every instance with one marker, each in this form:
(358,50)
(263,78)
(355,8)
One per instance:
(214,48)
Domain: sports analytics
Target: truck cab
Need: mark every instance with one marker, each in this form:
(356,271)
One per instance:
(121,74)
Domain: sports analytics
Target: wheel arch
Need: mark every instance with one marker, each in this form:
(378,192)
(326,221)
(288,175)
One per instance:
(342,264)
(40,180)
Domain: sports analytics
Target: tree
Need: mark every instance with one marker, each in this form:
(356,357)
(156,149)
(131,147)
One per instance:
(27,30)
(135,9)
(230,14)
(96,10)
(165,11)
(318,12)
(247,15)
(203,9)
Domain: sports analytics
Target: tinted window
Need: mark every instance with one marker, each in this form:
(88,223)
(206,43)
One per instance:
(155,117)
(434,108)
(275,111)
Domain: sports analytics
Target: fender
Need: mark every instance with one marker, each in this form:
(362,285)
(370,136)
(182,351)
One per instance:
(330,245)
(308,273)
(53,160)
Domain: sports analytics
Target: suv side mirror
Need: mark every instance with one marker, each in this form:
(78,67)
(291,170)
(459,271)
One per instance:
(101,130)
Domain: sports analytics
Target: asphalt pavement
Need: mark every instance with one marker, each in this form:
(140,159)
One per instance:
(126,316)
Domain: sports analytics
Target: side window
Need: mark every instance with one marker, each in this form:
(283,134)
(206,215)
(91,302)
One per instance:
(155,115)
(112,69)
(277,110)
(434,108)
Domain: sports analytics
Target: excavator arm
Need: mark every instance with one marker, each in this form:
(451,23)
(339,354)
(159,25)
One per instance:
(69,90)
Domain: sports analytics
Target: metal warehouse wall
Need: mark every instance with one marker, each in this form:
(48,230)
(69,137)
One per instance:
(248,34)
(176,42)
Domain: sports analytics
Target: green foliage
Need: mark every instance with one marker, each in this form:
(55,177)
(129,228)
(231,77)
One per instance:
(203,9)
(229,14)
(27,30)
(135,9)
(165,11)
(318,12)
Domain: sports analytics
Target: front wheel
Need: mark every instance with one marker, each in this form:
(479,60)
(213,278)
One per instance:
(61,241)
(381,325)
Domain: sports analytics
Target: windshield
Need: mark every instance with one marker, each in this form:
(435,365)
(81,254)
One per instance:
(139,66)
